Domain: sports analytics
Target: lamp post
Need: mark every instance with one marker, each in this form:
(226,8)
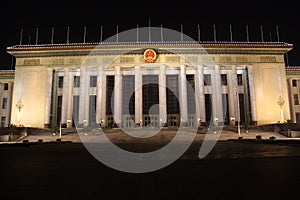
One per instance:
(281,102)
(19,106)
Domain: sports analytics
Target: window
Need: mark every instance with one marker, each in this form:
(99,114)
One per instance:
(240,79)
(207,79)
(4,103)
(5,86)
(76,81)
(294,83)
(223,79)
(296,99)
(60,82)
(93,81)
(3,121)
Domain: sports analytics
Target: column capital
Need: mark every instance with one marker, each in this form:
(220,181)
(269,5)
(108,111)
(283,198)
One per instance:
(99,70)
(250,68)
(217,68)
(200,69)
(162,69)
(233,68)
(183,69)
(66,71)
(117,69)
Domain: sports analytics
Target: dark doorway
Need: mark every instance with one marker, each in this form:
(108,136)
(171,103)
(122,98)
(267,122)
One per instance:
(208,108)
(150,98)
(173,109)
(75,110)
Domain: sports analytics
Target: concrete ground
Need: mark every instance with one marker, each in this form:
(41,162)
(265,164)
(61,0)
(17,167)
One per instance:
(159,135)
(233,170)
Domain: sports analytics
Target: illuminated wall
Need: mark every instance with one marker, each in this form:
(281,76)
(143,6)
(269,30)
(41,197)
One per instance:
(260,64)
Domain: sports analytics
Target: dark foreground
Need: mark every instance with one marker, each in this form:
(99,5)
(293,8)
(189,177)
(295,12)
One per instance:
(233,170)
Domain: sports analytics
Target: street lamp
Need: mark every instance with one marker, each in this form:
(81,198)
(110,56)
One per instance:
(281,102)
(19,106)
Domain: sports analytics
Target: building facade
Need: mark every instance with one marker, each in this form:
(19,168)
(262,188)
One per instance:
(150,84)
(6,91)
(293,81)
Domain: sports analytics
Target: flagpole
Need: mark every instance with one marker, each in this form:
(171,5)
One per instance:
(215,37)
(52,34)
(181,32)
(149,30)
(21,36)
(262,33)
(137,33)
(247,33)
(36,35)
(84,34)
(199,39)
(277,30)
(101,29)
(117,37)
(230,32)
(161,33)
(68,32)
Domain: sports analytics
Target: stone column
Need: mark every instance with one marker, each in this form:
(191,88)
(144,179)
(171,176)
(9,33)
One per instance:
(162,96)
(291,99)
(70,100)
(82,111)
(252,94)
(118,96)
(99,96)
(183,96)
(200,97)
(233,95)
(138,87)
(48,96)
(103,104)
(9,102)
(1,97)
(217,105)
(65,96)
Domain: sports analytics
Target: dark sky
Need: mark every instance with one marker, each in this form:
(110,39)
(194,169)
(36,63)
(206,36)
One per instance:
(44,15)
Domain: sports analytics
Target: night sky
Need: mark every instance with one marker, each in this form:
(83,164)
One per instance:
(47,14)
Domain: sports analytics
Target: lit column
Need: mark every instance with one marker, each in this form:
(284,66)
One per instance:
(118,96)
(162,96)
(10,95)
(234,92)
(70,101)
(252,93)
(48,96)
(183,96)
(138,96)
(232,95)
(200,98)
(103,104)
(1,96)
(65,96)
(290,91)
(82,98)
(218,108)
(99,95)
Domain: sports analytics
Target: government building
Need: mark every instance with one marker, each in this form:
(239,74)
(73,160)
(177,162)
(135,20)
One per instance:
(150,84)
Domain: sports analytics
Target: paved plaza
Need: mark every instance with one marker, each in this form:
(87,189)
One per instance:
(159,135)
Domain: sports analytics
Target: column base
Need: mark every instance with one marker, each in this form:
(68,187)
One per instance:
(254,123)
(80,125)
(137,124)
(184,124)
